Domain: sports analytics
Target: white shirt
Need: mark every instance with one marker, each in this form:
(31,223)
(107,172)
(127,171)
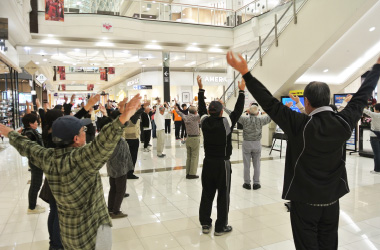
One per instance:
(159,119)
(150,124)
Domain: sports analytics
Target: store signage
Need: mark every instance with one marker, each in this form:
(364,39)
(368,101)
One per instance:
(4,69)
(166,75)
(133,82)
(215,79)
(107,27)
(296,92)
(139,87)
(31,67)
(41,78)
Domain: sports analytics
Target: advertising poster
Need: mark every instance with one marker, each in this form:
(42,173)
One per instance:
(111,70)
(62,76)
(103,74)
(90,87)
(54,10)
(61,69)
(286,99)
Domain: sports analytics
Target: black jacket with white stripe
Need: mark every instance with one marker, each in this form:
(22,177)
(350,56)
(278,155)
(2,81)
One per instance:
(217,130)
(315,169)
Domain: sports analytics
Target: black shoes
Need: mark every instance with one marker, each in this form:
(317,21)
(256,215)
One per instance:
(247,186)
(132,176)
(126,195)
(256,186)
(225,230)
(206,229)
(190,176)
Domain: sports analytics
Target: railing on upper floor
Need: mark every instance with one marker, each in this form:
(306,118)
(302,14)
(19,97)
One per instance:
(173,12)
(254,57)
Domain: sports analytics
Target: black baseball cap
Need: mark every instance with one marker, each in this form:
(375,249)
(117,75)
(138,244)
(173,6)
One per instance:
(66,127)
(215,107)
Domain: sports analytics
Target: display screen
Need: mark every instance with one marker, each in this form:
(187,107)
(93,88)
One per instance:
(23,97)
(286,99)
(339,98)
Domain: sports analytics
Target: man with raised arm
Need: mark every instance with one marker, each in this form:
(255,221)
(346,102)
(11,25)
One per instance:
(72,171)
(216,172)
(315,173)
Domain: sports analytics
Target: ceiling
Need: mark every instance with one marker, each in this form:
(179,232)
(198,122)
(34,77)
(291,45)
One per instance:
(348,55)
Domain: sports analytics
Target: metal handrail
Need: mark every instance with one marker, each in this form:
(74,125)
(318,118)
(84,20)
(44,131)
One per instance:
(224,97)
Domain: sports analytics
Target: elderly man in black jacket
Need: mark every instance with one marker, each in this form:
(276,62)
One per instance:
(216,173)
(315,172)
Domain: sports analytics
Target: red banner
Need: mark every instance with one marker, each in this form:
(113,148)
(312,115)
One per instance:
(61,69)
(62,76)
(111,70)
(103,74)
(90,87)
(54,10)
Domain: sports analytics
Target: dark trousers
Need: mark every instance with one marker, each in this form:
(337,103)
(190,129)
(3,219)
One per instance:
(177,128)
(142,132)
(375,143)
(35,185)
(216,175)
(167,126)
(153,129)
(315,228)
(134,149)
(116,194)
(53,225)
(147,134)
(183,130)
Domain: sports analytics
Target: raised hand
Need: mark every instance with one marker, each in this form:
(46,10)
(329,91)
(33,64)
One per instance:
(199,80)
(348,98)
(221,101)
(241,84)
(121,105)
(378,60)
(65,98)
(146,104)
(92,101)
(294,98)
(102,109)
(72,99)
(239,64)
(38,104)
(130,108)
(4,130)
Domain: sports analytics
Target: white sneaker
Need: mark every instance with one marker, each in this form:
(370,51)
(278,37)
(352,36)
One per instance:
(146,150)
(37,210)
(374,172)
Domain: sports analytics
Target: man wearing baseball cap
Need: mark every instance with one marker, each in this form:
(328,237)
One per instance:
(216,173)
(72,171)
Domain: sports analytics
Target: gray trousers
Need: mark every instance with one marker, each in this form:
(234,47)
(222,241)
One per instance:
(104,238)
(192,161)
(251,150)
(160,141)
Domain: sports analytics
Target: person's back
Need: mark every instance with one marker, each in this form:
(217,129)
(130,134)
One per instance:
(252,126)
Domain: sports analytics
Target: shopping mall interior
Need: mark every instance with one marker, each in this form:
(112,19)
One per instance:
(52,50)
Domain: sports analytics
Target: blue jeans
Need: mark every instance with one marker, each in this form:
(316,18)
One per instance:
(53,226)
(375,143)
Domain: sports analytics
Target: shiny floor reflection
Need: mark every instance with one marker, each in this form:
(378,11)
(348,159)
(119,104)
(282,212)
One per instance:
(163,206)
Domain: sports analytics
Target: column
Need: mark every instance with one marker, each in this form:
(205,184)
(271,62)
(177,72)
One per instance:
(166,74)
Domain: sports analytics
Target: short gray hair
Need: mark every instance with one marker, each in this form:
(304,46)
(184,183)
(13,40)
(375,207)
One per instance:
(192,110)
(162,109)
(253,110)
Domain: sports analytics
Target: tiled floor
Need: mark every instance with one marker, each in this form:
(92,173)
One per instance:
(163,207)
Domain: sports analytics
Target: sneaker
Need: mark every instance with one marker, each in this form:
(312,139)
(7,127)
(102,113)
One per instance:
(119,215)
(146,150)
(374,172)
(247,186)
(132,176)
(37,210)
(256,186)
(150,145)
(126,195)
(225,230)
(162,155)
(206,229)
(183,142)
(189,176)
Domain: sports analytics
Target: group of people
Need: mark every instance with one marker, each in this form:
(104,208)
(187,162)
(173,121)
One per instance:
(315,174)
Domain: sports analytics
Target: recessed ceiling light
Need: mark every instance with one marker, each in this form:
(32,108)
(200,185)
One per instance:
(325,71)
(194,44)
(153,46)
(192,48)
(104,44)
(44,60)
(144,65)
(217,50)
(154,41)
(217,45)
(126,51)
(50,41)
(105,38)
(372,29)
(27,48)
(140,62)
(76,50)
(50,35)
(37,63)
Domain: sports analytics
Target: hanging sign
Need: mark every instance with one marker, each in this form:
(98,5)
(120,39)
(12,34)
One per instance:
(31,67)
(41,78)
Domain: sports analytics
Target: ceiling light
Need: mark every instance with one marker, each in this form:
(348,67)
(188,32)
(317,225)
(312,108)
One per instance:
(153,46)
(154,41)
(217,45)
(50,41)
(372,29)
(325,71)
(104,44)
(194,44)
(27,48)
(144,65)
(74,64)
(193,48)
(44,60)
(50,35)
(79,3)
(37,63)
(126,51)
(105,38)
(217,50)
(76,50)
(140,62)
